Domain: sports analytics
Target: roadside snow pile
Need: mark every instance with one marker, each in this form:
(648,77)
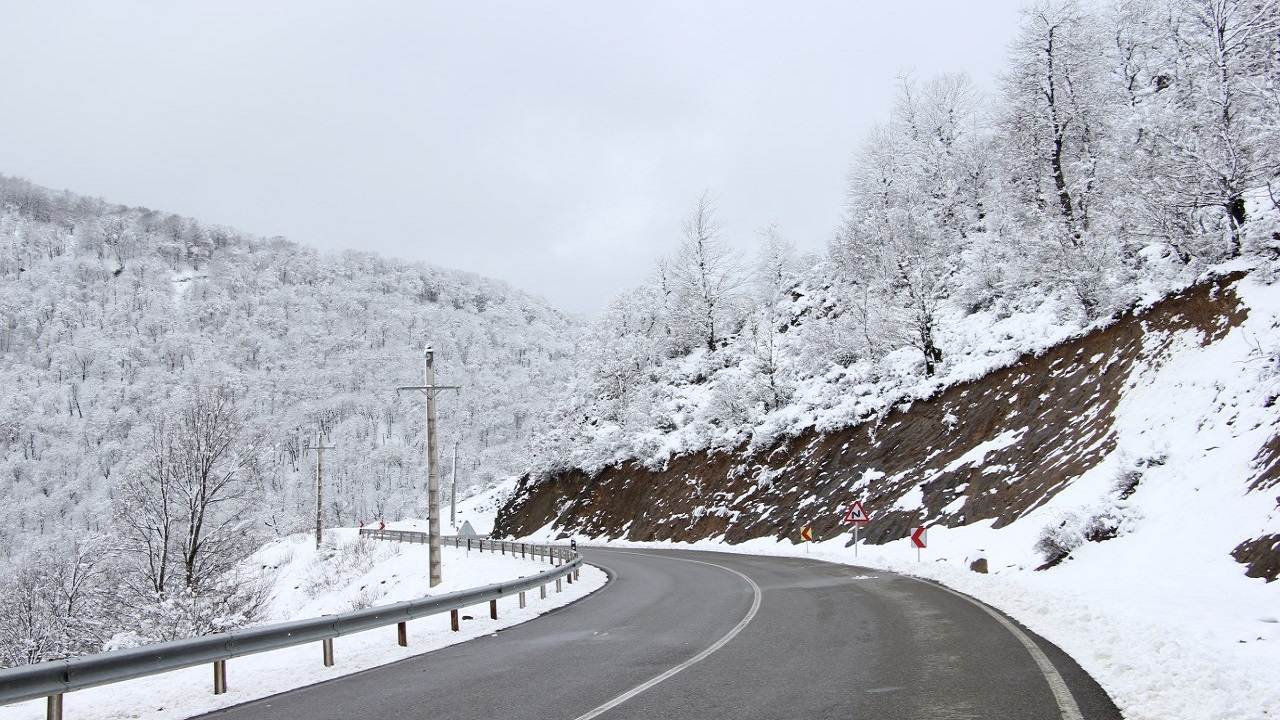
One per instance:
(347,573)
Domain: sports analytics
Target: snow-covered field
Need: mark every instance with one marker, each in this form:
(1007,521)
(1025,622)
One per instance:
(347,573)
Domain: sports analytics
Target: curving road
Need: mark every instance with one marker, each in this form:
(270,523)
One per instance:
(680,634)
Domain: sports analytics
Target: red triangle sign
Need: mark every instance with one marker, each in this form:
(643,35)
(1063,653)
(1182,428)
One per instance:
(856,514)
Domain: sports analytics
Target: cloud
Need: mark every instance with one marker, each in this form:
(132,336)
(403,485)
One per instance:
(555,145)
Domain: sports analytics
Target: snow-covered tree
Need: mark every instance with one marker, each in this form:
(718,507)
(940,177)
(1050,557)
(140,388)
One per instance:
(1208,131)
(184,507)
(708,278)
(1053,114)
(913,203)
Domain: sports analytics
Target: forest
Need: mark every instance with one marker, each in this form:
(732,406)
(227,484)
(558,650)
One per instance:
(163,383)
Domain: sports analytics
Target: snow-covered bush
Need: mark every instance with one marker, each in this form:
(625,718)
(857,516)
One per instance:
(1057,540)
(1100,521)
(340,562)
(1131,474)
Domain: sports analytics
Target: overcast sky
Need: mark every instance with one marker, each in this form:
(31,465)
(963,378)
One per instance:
(555,145)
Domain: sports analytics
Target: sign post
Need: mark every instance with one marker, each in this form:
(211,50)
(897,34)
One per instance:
(856,515)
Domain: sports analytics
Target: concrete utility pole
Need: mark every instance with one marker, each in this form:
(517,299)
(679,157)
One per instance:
(319,447)
(453,494)
(433,470)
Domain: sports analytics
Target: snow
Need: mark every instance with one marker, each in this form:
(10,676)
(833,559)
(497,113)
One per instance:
(979,452)
(346,573)
(1162,616)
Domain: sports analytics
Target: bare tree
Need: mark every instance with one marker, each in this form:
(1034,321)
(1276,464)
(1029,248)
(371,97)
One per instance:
(708,276)
(183,508)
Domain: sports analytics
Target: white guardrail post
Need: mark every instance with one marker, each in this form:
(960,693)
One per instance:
(52,679)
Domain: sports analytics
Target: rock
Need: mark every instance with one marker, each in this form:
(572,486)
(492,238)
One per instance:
(979,566)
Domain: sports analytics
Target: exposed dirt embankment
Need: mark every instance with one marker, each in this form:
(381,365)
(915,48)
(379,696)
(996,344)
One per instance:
(992,449)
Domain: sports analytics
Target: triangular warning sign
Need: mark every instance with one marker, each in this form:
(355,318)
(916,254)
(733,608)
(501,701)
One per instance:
(856,514)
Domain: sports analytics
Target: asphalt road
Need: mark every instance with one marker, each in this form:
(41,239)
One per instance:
(680,634)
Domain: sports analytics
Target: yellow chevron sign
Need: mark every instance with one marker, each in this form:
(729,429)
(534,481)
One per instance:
(806,533)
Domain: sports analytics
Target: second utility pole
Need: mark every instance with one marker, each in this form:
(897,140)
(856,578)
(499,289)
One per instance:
(319,447)
(453,494)
(433,469)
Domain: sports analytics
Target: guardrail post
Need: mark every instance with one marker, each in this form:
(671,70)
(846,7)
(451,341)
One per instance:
(468,544)
(328,651)
(402,634)
(453,620)
(503,545)
(219,677)
(493,609)
(54,709)
(569,577)
(544,592)
(575,574)
(521,599)
(521,551)
(558,585)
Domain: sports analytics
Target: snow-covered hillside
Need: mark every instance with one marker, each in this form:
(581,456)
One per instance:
(123,329)
(1131,554)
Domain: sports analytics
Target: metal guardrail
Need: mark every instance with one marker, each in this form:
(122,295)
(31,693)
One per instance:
(54,678)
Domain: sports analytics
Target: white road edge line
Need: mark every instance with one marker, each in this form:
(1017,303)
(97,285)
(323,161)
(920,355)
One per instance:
(1061,693)
(755,606)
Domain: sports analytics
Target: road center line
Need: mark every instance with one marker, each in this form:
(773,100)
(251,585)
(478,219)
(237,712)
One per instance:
(746,619)
(1061,693)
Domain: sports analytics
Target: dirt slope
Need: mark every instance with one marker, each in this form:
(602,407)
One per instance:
(992,449)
